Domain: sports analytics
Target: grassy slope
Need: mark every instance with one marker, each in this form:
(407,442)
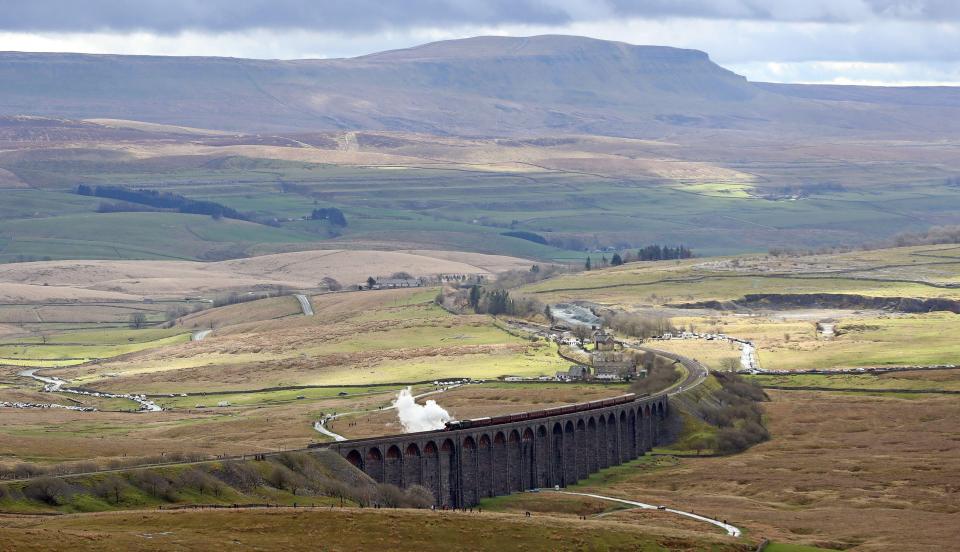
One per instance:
(354,338)
(83,494)
(389,341)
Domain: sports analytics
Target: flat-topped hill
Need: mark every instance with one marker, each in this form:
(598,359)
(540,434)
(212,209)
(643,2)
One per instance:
(475,86)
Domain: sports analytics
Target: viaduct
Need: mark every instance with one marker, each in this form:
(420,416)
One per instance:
(512,453)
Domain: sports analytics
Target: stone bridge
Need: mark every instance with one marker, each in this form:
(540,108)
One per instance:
(512,453)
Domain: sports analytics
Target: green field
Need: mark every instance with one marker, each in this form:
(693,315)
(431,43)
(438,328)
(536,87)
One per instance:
(922,272)
(862,341)
(279,397)
(448,206)
(77,347)
(907,381)
(136,236)
(419,353)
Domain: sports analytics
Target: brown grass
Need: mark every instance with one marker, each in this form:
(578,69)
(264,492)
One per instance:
(57,435)
(84,280)
(242,313)
(872,473)
(279,349)
(341,530)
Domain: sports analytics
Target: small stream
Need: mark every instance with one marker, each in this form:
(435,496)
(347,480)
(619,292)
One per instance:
(748,357)
(575,315)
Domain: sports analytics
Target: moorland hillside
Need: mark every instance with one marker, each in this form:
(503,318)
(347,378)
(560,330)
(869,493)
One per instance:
(477,86)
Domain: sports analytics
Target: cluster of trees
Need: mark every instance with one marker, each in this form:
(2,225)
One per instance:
(524,235)
(174,313)
(933,236)
(738,414)
(491,300)
(469,294)
(573,242)
(330,214)
(663,253)
(637,325)
(648,253)
(163,200)
(331,283)
(661,373)
(495,301)
(124,207)
(300,474)
(138,320)
(518,277)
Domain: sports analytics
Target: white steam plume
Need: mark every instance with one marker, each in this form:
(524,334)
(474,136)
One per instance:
(415,417)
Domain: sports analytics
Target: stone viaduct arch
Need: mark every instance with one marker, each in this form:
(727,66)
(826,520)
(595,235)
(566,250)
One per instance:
(532,449)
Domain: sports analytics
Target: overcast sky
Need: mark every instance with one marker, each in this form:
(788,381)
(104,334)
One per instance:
(893,42)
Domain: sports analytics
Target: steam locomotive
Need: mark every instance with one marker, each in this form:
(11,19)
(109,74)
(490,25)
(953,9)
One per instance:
(524,416)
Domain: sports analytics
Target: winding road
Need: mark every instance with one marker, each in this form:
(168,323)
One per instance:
(305,305)
(696,373)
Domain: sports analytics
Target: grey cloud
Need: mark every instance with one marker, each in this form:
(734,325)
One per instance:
(823,11)
(170,16)
(367,16)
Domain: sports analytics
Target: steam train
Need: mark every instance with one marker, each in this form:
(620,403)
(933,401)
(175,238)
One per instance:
(524,416)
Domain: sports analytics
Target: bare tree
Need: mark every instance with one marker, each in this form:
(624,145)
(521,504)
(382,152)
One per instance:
(419,496)
(581,332)
(196,478)
(700,443)
(51,490)
(111,488)
(331,284)
(153,483)
(389,495)
(138,320)
(730,364)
